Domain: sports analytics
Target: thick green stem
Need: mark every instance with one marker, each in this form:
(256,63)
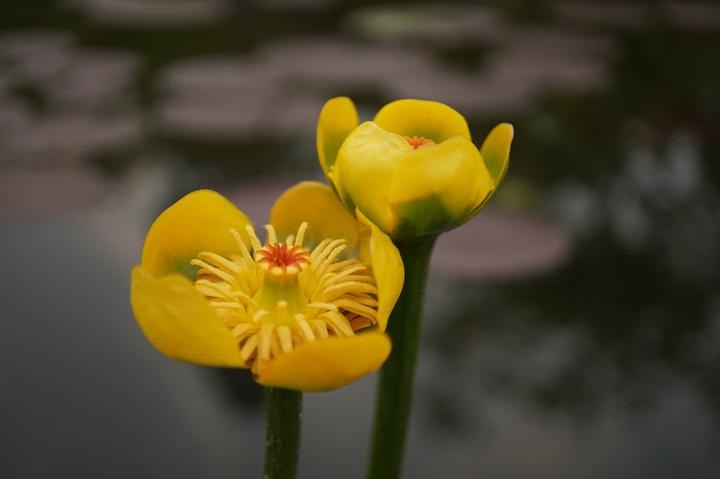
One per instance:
(282,440)
(394,394)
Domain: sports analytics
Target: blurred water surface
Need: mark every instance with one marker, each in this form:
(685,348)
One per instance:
(572,328)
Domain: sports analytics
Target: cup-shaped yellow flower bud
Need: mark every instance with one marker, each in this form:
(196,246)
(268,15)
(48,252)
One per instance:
(413,170)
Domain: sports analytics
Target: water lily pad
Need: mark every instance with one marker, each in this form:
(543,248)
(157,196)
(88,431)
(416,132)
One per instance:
(153,13)
(34,55)
(221,98)
(65,138)
(34,194)
(501,245)
(93,79)
(438,24)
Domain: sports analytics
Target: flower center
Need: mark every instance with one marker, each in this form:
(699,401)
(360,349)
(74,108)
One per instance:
(279,295)
(419,142)
(281,259)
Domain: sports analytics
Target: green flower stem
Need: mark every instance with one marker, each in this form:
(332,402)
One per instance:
(394,394)
(282,441)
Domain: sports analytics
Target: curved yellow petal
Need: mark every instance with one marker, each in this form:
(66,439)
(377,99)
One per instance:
(435,188)
(335,180)
(366,164)
(378,250)
(495,151)
(200,221)
(178,321)
(315,203)
(338,118)
(326,364)
(428,119)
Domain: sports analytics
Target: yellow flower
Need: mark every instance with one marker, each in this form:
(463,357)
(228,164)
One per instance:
(306,310)
(413,170)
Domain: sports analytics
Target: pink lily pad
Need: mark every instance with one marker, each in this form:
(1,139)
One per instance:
(39,194)
(153,12)
(501,245)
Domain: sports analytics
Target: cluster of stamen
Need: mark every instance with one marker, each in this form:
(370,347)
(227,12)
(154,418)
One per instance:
(279,295)
(419,142)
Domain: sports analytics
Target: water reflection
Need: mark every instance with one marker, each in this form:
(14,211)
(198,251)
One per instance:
(573,330)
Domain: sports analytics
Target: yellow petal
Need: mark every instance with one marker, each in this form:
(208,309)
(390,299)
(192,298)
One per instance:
(315,203)
(495,151)
(179,322)
(378,250)
(435,188)
(366,164)
(326,364)
(337,119)
(335,180)
(428,119)
(200,221)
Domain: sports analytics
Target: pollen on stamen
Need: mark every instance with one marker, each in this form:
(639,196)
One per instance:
(276,296)
(417,142)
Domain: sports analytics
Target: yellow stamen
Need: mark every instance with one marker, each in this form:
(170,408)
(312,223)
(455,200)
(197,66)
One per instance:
(285,336)
(278,295)
(307,333)
(301,234)
(320,327)
(271,234)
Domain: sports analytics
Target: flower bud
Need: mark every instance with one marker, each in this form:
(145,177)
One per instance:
(414,170)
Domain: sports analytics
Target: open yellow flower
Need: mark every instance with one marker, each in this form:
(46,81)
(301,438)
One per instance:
(305,310)
(413,170)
